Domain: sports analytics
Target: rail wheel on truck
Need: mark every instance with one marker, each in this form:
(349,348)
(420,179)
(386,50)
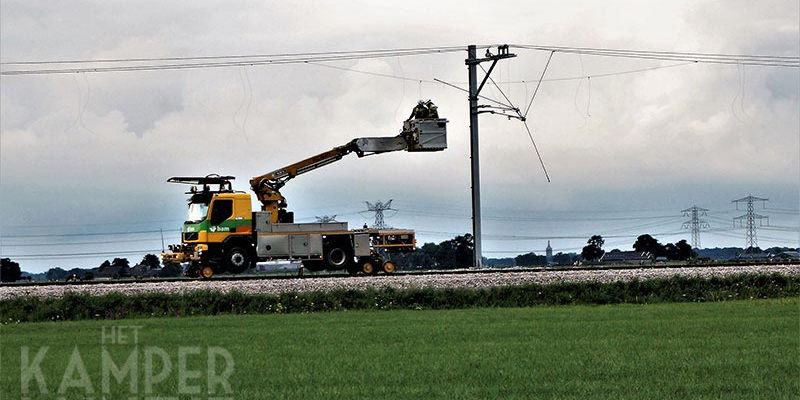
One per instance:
(369,266)
(389,267)
(206,272)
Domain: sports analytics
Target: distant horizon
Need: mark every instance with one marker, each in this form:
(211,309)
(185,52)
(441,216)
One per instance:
(132,264)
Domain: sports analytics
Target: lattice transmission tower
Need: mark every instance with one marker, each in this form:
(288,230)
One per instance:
(326,218)
(378,208)
(695,224)
(750,219)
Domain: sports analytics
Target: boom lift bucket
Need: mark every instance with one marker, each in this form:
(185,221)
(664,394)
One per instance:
(429,134)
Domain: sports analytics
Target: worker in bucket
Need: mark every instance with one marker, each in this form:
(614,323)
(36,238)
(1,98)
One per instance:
(424,109)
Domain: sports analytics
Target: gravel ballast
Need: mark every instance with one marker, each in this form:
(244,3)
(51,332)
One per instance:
(398,281)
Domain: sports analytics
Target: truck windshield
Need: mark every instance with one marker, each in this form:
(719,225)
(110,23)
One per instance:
(197,212)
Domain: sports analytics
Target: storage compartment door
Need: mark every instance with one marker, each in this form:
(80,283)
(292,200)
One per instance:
(299,246)
(272,246)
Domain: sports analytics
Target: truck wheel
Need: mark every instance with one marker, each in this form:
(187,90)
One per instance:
(338,257)
(206,272)
(368,266)
(237,259)
(389,267)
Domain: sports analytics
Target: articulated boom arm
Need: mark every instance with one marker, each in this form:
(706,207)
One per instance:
(417,135)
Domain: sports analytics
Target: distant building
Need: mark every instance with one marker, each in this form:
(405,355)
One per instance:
(761,256)
(549,253)
(627,257)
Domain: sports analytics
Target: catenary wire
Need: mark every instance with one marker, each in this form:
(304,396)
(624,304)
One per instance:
(770,61)
(237,63)
(234,56)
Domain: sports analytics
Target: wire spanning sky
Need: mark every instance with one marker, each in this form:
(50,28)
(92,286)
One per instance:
(632,127)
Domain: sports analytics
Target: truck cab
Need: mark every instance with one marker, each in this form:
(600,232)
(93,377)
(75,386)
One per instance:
(217,231)
(215,219)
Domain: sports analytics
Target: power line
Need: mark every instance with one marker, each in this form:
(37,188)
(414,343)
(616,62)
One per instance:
(116,223)
(325,57)
(524,81)
(84,234)
(406,211)
(522,218)
(603,75)
(782,210)
(174,63)
(743,236)
(781,228)
(234,56)
(584,50)
(78,255)
(56,244)
(379,74)
(564,237)
(708,58)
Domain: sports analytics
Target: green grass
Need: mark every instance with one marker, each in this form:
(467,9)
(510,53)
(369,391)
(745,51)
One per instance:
(734,350)
(672,289)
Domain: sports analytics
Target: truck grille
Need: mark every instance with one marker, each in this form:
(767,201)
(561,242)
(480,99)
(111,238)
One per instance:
(188,236)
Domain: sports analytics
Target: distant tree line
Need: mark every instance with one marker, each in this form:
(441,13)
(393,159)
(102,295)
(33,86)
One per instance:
(679,251)
(449,254)
(728,253)
(457,253)
(120,267)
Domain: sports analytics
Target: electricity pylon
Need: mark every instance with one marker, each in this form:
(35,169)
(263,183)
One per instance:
(749,219)
(378,208)
(326,218)
(695,224)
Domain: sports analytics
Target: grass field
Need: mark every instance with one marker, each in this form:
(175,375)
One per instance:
(733,350)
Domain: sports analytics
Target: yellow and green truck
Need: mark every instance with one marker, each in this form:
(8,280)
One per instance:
(223,234)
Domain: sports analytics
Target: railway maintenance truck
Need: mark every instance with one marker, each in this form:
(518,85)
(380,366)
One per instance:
(222,233)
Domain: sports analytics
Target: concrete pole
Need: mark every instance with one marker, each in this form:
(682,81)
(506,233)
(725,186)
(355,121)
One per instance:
(474,155)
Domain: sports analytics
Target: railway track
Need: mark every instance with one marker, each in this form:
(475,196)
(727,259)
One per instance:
(437,279)
(329,275)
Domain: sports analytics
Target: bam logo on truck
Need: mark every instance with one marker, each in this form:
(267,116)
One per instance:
(219,229)
(130,368)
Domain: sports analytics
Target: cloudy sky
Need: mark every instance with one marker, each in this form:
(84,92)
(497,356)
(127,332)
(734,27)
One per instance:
(84,157)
